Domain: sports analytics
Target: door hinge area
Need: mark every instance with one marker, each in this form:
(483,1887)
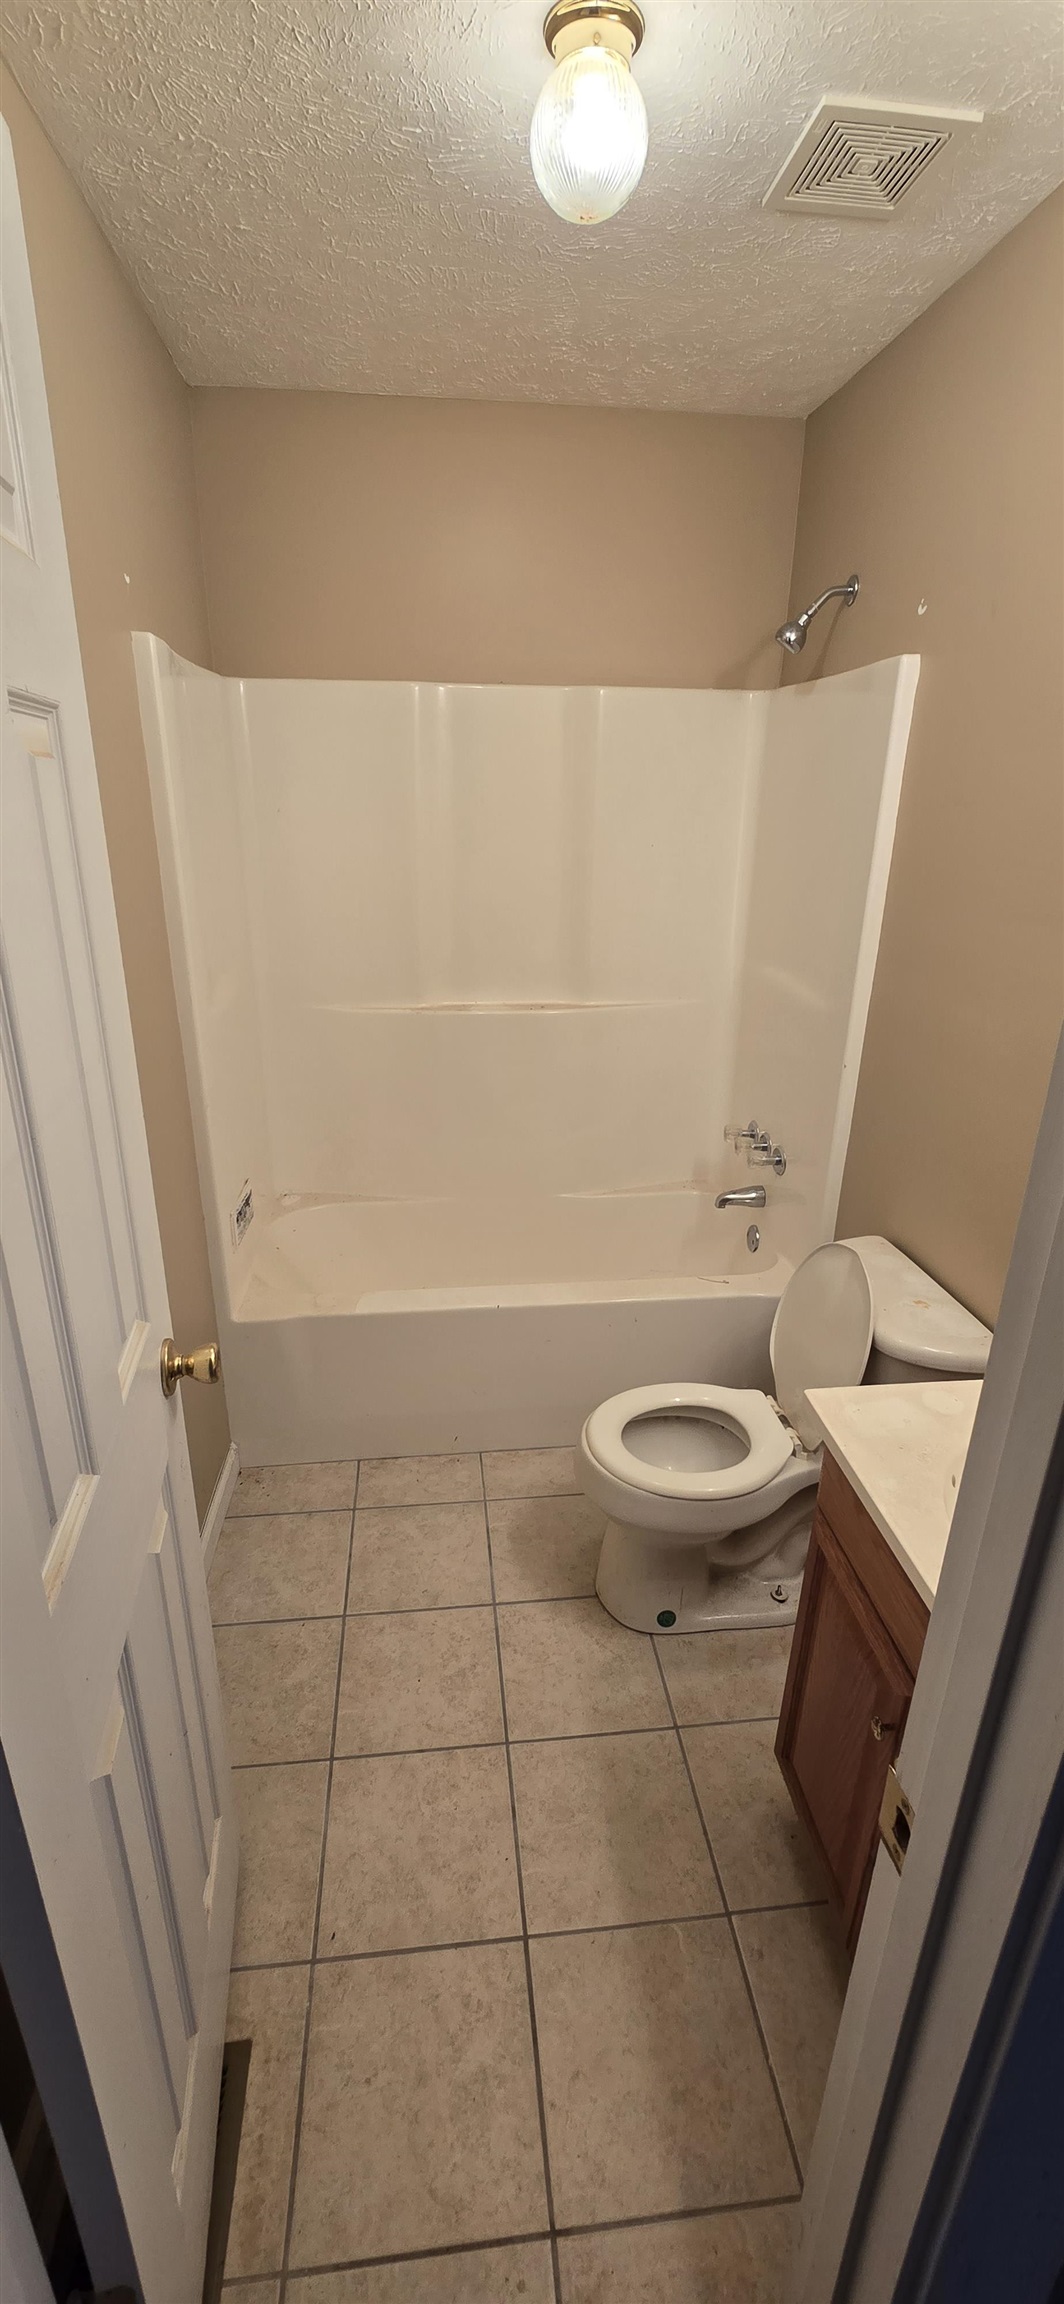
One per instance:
(896,1819)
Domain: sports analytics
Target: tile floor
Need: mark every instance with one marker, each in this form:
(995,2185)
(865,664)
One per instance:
(538,1972)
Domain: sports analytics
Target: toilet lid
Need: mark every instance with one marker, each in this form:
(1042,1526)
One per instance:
(822,1332)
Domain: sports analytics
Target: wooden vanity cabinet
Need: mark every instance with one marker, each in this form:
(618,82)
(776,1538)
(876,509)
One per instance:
(853,1661)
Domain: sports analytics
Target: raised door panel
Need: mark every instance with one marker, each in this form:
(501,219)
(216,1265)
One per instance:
(63,1062)
(846,1681)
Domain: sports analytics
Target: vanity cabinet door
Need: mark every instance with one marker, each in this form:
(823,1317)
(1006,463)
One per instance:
(844,1707)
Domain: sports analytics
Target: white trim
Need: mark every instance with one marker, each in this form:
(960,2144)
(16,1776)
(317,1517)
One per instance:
(871,931)
(219,1504)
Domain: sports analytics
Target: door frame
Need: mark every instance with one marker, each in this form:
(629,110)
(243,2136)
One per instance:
(982,1748)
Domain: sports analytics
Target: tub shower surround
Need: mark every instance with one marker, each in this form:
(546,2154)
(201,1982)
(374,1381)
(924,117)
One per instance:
(471,980)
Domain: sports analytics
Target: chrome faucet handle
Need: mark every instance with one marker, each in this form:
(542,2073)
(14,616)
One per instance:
(748,1135)
(765,1154)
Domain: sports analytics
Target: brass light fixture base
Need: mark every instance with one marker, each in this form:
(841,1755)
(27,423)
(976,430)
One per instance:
(566,13)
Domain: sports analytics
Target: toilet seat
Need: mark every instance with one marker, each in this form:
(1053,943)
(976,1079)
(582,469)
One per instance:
(821,1334)
(749,1414)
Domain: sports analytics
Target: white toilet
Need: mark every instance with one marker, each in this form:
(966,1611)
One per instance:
(709,1492)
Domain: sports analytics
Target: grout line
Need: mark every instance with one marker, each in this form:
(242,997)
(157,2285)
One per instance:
(535,1496)
(422,2255)
(803,1904)
(432,1503)
(301,2094)
(448,1607)
(249,1623)
(382,1952)
(443,1608)
(416,1751)
(290,1512)
(423,1504)
(453,1607)
(533,2026)
(556,1600)
(305,1760)
(419,1503)
(732,1928)
(424,1608)
(528,2239)
(518,2239)
(579,1736)
(730,1720)
(680,2215)
(535,1935)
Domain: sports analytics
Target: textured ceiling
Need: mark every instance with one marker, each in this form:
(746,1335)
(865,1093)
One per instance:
(336,193)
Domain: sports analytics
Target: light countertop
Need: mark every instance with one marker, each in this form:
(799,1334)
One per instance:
(902,1447)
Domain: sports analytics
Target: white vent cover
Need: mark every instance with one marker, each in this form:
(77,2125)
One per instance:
(858,158)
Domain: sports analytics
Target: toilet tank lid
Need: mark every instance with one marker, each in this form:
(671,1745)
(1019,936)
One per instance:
(915,1319)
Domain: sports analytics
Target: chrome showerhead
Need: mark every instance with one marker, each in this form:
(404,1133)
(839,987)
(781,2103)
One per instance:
(792,634)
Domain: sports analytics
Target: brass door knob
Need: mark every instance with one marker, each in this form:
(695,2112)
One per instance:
(204,1365)
(881,1728)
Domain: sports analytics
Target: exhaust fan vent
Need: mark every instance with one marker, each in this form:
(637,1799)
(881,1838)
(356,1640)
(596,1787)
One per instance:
(856,158)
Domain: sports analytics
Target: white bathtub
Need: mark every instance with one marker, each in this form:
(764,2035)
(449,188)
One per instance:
(385,1327)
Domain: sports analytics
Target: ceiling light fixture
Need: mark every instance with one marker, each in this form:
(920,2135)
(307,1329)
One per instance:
(589,128)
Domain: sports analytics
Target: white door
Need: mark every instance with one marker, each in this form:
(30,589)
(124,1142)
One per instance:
(109,1704)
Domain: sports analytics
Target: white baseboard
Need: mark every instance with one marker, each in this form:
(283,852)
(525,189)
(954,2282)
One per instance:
(219,1504)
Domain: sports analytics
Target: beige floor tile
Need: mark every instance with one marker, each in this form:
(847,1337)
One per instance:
(414,1682)
(288,1564)
(798,1974)
(657,2093)
(762,1850)
(294,1488)
(531,1472)
(609,1832)
(282,1814)
(252,2292)
(419,1480)
(420,1556)
(545,1547)
(570,1671)
(739,2257)
(268,2007)
(726,1675)
(278,1688)
(421,1851)
(420,2128)
(517,2275)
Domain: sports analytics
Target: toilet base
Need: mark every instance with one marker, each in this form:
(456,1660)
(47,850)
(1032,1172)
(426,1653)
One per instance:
(652,1585)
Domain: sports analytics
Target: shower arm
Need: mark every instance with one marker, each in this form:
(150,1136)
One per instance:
(845,591)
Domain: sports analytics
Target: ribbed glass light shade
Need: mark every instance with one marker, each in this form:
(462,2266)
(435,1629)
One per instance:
(589,136)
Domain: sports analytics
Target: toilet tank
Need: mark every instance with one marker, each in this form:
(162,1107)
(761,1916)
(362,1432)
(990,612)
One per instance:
(921,1332)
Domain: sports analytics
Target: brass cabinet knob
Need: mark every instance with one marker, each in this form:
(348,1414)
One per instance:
(204,1365)
(881,1728)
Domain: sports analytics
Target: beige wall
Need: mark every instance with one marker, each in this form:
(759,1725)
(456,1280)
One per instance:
(461,540)
(937,472)
(120,423)
(348,537)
